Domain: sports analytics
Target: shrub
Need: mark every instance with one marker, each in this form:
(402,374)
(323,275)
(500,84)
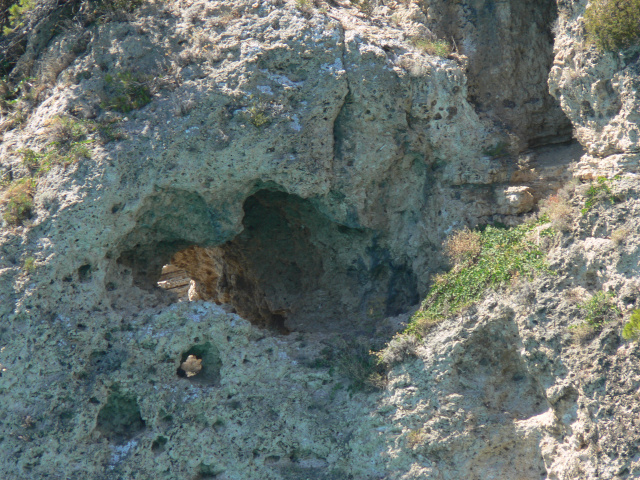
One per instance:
(356,362)
(599,310)
(69,138)
(29,265)
(18,201)
(415,438)
(597,192)
(504,254)
(463,246)
(631,330)
(613,24)
(126,91)
(619,235)
(258,116)
(17,12)
(440,48)
(558,211)
(365,6)
(399,347)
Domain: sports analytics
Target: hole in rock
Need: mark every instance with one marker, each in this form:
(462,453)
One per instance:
(201,364)
(120,420)
(291,268)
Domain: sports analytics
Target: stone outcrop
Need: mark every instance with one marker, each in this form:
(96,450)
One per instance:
(288,172)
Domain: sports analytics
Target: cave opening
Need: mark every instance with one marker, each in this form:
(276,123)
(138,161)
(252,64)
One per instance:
(290,269)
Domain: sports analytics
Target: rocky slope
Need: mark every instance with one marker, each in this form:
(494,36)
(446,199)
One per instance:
(299,165)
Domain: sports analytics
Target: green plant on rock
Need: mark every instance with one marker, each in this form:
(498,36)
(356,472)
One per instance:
(69,138)
(598,192)
(29,265)
(439,48)
(613,24)
(599,310)
(356,362)
(258,116)
(126,91)
(504,255)
(17,13)
(498,150)
(631,330)
(18,201)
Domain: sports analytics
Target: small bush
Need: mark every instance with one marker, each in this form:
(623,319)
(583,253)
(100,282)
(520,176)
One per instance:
(258,116)
(439,48)
(18,201)
(599,310)
(559,212)
(619,235)
(597,192)
(399,348)
(29,265)
(17,13)
(69,138)
(415,438)
(613,24)
(631,330)
(463,246)
(356,362)
(365,6)
(126,91)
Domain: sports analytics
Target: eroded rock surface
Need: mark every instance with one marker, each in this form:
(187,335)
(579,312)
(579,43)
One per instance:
(297,168)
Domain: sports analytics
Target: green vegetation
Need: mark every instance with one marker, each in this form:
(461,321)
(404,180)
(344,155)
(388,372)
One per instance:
(598,310)
(258,116)
(613,24)
(17,13)
(18,201)
(128,6)
(440,48)
(498,150)
(598,192)
(29,265)
(126,91)
(503,254)
(631,330)
(85,9)
(356,362)
(68,143)
(304,5)
(415,438)
(69,138)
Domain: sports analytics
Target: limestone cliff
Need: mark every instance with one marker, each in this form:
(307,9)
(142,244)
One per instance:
(213,210)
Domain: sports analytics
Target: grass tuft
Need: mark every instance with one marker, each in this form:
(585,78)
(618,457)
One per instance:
(126,91)
(598,192)
(439,48)
(18,201)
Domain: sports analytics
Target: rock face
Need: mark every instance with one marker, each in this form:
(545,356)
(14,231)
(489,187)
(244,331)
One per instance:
(597,90)
(293,171)
(509,46)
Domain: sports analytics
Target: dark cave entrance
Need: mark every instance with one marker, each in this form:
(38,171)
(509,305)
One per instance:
(290,269)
